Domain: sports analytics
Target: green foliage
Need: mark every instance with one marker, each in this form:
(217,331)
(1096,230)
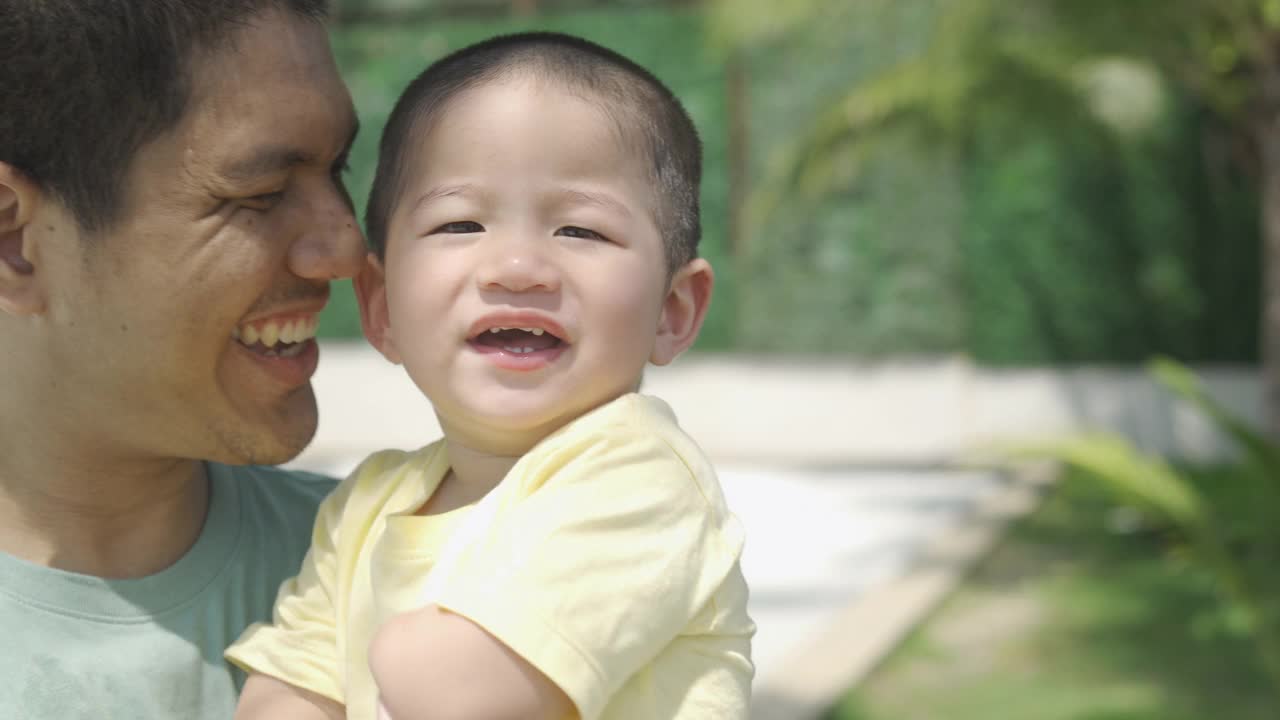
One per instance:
(998,150)
(917,192)
(1085,611)
(870,270)
(1080,251)
(1231,534)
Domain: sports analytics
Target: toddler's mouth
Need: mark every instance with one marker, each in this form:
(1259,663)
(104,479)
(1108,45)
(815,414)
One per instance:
(517,340)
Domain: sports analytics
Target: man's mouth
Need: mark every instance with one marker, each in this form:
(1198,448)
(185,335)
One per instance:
(281,336)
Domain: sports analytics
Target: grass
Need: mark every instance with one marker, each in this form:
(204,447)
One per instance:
(378,61)
(1079,615)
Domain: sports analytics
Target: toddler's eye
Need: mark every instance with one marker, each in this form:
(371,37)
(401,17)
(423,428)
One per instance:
(461,226)
(574,231)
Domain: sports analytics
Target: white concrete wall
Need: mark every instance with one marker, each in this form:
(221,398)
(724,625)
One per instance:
(822,412)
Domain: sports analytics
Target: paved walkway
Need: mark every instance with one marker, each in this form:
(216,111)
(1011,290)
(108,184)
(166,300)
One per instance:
(849,543)
(820,541)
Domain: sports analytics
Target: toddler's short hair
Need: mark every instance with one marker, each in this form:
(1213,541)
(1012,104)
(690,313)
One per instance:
(646,112)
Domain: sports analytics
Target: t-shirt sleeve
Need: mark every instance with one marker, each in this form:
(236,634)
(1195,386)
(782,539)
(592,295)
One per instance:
(300,645)
(609,551)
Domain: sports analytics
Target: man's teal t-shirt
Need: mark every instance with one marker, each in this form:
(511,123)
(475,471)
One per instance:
(75,646)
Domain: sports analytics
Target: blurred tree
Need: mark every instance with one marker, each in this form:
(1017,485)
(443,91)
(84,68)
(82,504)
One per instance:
(347,11)
(1098,67)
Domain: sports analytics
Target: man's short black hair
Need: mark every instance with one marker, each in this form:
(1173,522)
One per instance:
(644,109)
(89,82)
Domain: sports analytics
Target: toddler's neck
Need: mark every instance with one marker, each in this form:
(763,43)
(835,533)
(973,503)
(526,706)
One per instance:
(471,475)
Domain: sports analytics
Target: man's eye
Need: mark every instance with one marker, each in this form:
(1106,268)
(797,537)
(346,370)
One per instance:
(574,231)
(459,227)
(337,172)
(265,201)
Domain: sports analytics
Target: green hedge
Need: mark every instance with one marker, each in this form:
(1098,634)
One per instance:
(1018,248)
(1078,253)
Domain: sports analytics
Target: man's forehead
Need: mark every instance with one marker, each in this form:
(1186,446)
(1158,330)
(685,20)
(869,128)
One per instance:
(277,58)
(270,101)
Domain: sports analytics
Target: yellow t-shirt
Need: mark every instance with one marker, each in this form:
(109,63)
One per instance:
(607,559)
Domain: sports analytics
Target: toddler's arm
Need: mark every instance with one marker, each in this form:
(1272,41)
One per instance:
(432,664)
(267,698)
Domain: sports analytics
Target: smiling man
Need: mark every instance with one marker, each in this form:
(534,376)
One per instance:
(171,214)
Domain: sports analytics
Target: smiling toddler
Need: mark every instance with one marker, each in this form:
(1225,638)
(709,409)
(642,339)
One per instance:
(565,550)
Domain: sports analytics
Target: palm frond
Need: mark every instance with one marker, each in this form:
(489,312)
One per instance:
(1143,480)
(1183,382)
(843,135)
(936,96)
(1260,459)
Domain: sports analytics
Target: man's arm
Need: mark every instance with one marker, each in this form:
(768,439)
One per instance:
(431,664)
(267,698)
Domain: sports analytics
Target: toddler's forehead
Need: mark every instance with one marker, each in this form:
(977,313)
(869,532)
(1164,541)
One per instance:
(622,122)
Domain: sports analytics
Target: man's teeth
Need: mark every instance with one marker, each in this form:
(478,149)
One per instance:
(274,331)
(518,350)
(535,331)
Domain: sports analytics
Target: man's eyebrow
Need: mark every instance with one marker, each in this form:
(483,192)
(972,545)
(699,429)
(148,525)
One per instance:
(273,159)
(265,161)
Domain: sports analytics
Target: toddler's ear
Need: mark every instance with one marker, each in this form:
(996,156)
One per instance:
(683,310)
(375,318)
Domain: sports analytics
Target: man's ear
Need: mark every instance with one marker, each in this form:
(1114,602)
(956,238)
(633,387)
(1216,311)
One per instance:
(683,310)
(20,291)
(375,317)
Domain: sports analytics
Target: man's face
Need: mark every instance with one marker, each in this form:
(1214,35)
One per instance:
(164,333)
(525,275)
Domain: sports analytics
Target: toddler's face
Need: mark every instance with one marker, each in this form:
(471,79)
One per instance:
(525,275)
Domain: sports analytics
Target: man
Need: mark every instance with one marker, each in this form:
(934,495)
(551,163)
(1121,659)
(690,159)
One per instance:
(171,213)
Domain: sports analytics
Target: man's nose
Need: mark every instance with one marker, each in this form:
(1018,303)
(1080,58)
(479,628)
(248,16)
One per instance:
(331,246)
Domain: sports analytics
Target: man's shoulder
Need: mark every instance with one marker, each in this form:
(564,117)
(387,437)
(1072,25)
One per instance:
(277,506)
(288,487)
